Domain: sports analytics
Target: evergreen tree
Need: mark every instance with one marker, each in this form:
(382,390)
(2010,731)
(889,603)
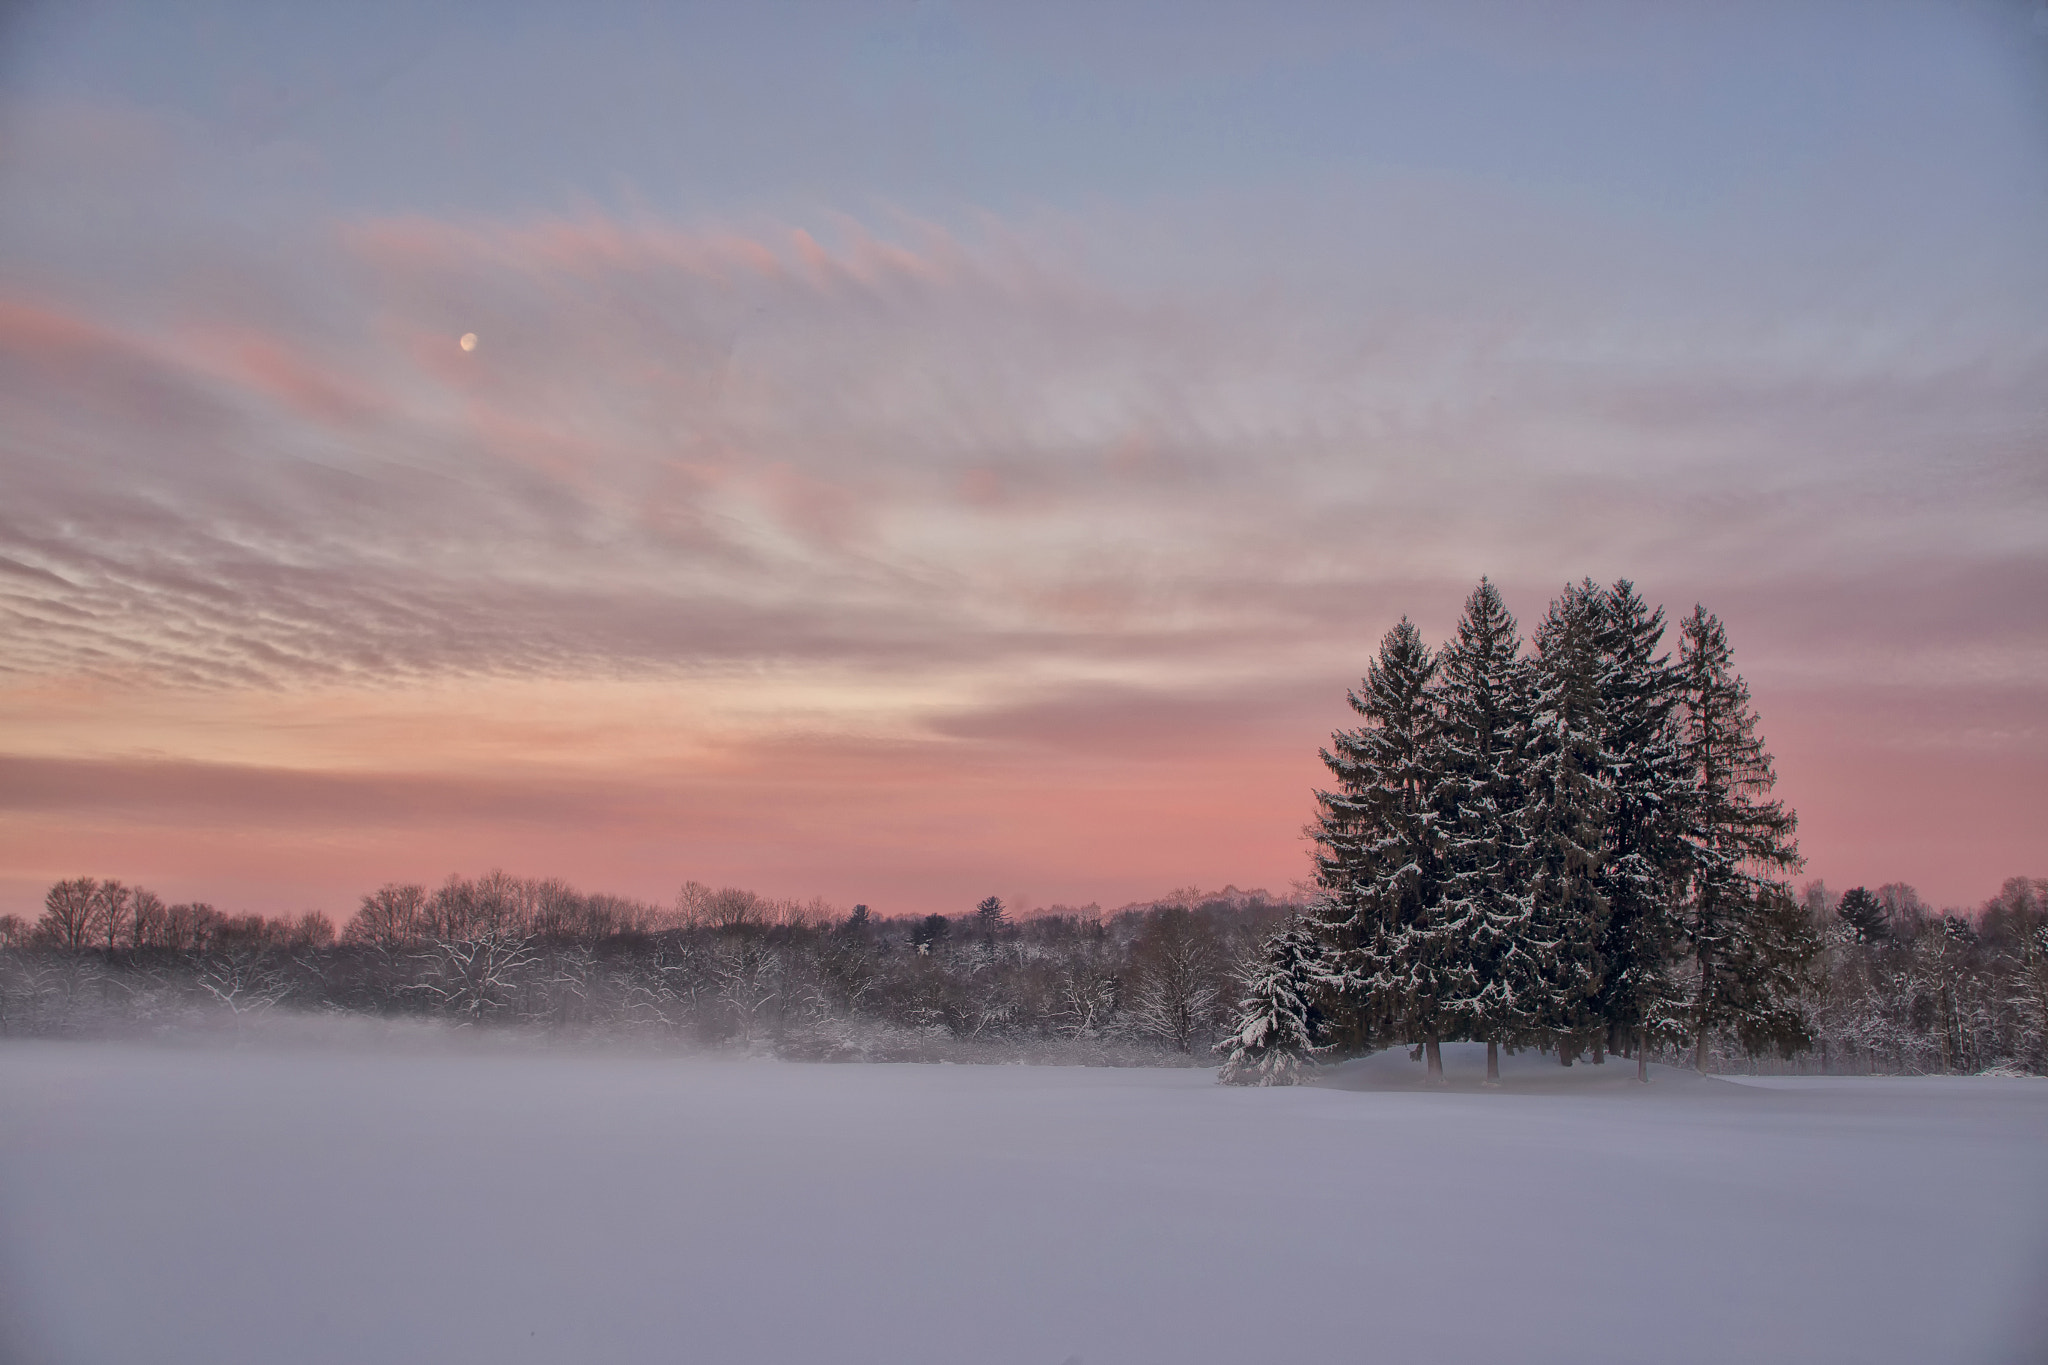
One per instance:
(991,919)
(1564,819)
(1749,942)
(1642,869)
(1277,1021)
(1865,914)
(1379,863)
(1481,699)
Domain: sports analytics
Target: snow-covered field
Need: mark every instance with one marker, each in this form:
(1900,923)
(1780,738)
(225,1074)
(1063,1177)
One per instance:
(313,1206)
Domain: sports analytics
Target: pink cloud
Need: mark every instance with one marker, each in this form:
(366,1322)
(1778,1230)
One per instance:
(947,469)
(272,366)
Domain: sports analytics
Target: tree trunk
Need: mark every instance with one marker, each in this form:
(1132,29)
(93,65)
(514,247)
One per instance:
(1492,1062)
(1643,1056)
(1699,1047)
(1436,1061)
(1599,1052)
(1948,1018)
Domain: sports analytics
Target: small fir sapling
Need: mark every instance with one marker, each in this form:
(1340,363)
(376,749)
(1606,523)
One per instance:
(1277,1023)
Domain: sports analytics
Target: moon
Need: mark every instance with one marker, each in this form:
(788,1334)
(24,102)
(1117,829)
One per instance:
(468,342)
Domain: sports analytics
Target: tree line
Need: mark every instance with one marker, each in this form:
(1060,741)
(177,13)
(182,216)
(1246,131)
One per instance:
(1574,848)
(724,967)
(1893,986)
(1898,987)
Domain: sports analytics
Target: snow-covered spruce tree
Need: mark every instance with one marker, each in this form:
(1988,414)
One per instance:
(1481,697)
(1564,817)
(1379,864)
(1277,1022)
(1749,941)
(1642,870)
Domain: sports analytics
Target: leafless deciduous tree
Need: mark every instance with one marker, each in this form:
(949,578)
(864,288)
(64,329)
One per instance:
(243,982)
(68,911)
(1179,978)
(112,914)
(146,919)
(188,927)
(476,977)
(389,917)
(745,969)
(312,930)
(732,910)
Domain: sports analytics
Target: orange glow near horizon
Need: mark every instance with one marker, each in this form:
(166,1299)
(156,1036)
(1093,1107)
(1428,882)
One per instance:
(281,802)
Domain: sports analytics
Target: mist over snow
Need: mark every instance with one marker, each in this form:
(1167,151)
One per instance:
(345,1203)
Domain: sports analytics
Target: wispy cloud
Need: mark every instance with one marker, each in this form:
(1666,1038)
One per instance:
(967,506)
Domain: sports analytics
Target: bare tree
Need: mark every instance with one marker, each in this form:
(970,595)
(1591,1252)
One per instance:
(42,993)
(244,982)
(189,927)
(1178,986)
(312,930)
(1085,999)
(69,910)
(558,913)
(476,977)
(113,913)
(732,910)
(744,968)
(679,978)
(693,905)
(571,977)
(495,903)
(146,919)
(389,917)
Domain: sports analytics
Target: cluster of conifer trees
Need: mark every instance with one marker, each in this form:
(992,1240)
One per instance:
(1572,847)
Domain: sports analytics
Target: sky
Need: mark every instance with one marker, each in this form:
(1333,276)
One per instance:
(918,451)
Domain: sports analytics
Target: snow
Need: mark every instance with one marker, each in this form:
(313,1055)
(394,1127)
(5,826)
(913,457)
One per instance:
(334,1205)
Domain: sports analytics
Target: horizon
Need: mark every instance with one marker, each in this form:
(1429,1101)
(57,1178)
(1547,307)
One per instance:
(899,454)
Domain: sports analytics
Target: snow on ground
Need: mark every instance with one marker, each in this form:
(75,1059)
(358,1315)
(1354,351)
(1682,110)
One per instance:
(316,1206)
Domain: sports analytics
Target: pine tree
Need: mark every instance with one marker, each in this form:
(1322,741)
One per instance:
(1379,864)
(1865,914)
(1750,944)
(1642,870)
(1564,818)
(1277,1021)
(1481,699)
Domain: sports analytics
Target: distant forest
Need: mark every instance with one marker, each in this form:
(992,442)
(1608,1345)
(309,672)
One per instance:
(1573,851)
(727,967)
(1895,986)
